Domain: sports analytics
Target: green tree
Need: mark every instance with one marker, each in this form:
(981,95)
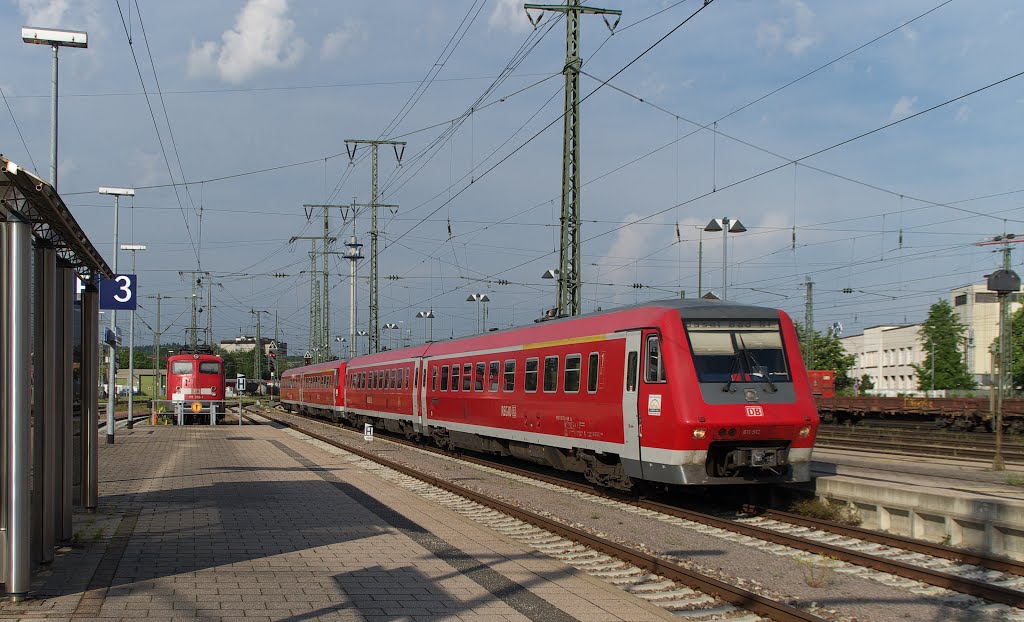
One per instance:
(827,352)
(866,384)
(1016,330)
(943,337)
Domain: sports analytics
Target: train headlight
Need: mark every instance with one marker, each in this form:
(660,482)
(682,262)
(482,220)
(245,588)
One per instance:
(213,390)
(805,431)
(699,433)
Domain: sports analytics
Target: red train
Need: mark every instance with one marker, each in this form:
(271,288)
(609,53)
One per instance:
(682,392)
(195,377)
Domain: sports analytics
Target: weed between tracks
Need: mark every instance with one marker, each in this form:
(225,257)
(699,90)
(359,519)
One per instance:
(828,509)
(817,570)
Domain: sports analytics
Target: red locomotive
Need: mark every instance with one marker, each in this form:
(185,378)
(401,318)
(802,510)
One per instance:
(684,392)
(195,377)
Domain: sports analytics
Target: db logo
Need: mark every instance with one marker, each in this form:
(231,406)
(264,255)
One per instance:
(755,411)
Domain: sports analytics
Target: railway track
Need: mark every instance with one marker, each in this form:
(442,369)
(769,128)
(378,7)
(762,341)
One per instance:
(915,442)
(995,580)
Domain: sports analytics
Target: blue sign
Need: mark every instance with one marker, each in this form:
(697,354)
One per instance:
(118,293)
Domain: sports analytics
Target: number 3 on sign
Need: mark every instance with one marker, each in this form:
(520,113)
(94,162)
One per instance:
(125,291)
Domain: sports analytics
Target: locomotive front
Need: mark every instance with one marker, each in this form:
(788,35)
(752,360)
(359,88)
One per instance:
(756,418)
(195,377)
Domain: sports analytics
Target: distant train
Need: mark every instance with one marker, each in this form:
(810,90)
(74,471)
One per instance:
(953,413)
(680,392)
(195,377)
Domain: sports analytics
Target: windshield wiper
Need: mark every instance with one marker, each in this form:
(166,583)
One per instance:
(728,385)
(753,364)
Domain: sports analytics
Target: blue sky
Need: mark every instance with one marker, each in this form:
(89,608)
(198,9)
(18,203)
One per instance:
(255,99)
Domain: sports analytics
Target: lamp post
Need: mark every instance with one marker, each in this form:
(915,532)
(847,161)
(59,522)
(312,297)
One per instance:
(725,225)
(131,342)
(552,274)
(362,333)
(111,378)
(479,298)
(341,340)
(429,317)
(55,39)
(391,326)
(1003,282)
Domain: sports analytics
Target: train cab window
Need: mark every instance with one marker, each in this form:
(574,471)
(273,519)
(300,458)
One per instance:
(752,352)
(209,367)
(592,371)
(492,376)
(456,374)
(478,380)
(467,376)
(632,367)
(444,377)
(530,384)
(510,376)
(550,374)
(181,367)
(571,382)
(654,366)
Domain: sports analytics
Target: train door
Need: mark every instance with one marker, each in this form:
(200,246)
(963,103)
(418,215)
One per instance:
(630,413)
(654,400)
(417,389)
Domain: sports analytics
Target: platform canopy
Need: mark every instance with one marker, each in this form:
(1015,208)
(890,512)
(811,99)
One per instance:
(25,197)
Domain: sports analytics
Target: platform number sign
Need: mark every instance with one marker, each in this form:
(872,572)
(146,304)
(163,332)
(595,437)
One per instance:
(119,292)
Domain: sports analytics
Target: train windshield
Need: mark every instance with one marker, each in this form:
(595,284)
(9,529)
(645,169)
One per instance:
(181,367)
(209,367)
(737,350)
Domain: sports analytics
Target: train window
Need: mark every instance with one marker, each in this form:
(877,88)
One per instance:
(550,374)
(571,383)
(362,380)
(467,376)
(510,376)
(631,371)
(750,351)
(433,378)
(444,377)
(456,371)
(396,381)
(492,376)
(654,367)
(181,367)
(209,367)
(478,380)
(592,371)
(401,379)
(531,375)
(416,378)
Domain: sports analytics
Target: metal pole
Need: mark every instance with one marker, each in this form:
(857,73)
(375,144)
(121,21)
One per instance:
(156,361)
(353,308)
(997,460)
(111,373)
(131,359)
(90,394)
(44,425)
(725,250)
(65,394)
(53,122)
(16,353)
(700,264)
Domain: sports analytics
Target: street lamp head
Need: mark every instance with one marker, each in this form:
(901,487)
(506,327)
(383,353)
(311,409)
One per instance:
(736,227)
(55,37)
(471,298)
(133,247)
(713,225)
(121,192)
(550,274)
(484,298)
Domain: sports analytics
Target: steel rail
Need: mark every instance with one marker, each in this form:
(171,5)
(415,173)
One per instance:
(980,589)
(745,599)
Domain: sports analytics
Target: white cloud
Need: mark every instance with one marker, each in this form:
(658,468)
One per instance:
(903,107)
(795,32)
(263,38)
(509,15)
(44,13)
(910,34)
(341,40)
(963,113)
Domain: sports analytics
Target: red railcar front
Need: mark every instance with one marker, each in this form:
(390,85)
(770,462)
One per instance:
(195,377)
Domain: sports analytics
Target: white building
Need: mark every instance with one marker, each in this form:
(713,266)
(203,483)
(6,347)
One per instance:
(886,353)
(248,344)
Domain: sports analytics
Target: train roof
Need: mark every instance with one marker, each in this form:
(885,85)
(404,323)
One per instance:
(329,365)
(199,356)
(644,314)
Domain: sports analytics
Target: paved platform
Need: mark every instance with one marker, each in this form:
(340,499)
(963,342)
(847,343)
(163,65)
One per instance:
(251,523)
